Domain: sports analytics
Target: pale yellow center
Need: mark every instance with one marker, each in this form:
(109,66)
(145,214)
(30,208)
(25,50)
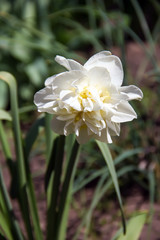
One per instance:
(85,93)
(105,96)
(78,117)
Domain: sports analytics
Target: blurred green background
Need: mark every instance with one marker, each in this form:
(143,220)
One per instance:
(33,32)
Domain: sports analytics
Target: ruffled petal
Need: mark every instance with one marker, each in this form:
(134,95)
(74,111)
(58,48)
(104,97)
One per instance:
(96,57)
(99,77)
(132,92)
(45,100)
(87,105)
(112,64)
(105,136)
(68,128)
(123,113)
(69,64)
(64,81)
(83,136)
(71,99)
(58,126)
(113,128)
(50,80)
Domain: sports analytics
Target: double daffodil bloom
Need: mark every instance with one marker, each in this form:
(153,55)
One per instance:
(88,100)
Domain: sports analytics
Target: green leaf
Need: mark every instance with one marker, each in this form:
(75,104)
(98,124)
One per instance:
(49,135)
(4,115)
(3,95)
(134,227)
(32,134)
(20,160)
(50,169)
(66,193)
(55,191)
(4,225)
(84,179)
(10,226)
(109,161)
(11,81)
(126,154)
(99,192)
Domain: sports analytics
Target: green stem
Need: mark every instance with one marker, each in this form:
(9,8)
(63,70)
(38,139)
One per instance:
(22,182)
(5,145)
(70,140)
(33,206)
(6,149)
(66,193)
(14,225)
(49,135)
(52,211)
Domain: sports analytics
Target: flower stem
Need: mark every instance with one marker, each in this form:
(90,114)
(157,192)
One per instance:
(20,161)
(16,232)
(52,209)
(66,193)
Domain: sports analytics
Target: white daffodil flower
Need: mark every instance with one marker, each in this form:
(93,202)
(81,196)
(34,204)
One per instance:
(88,100)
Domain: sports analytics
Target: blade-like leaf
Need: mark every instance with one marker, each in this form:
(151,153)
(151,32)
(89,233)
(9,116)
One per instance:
(20,160)
(66,193)
(32,135)
(81,181)
(109,161)
(134,227)
(4,115)
(5,227)
(100,190)
(5,206)
(55,191)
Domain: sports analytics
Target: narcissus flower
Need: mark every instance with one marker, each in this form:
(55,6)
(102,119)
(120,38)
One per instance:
(88,100)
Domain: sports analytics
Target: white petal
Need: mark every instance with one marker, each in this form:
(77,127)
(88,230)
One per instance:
(113,128)
(97,56)
(68,128)
(49,80)
(72,100)
(99,77)
(65,94)
(109,139)
(123,113)
(132,92)
(105,136)
(87,104)
(77,126)
(43,102)
(65,80)
(98,104)
(58,126)
(111,63)
(66,117)
(83,135)
(68,63)
(92,128)
(81,83)
(94,122)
